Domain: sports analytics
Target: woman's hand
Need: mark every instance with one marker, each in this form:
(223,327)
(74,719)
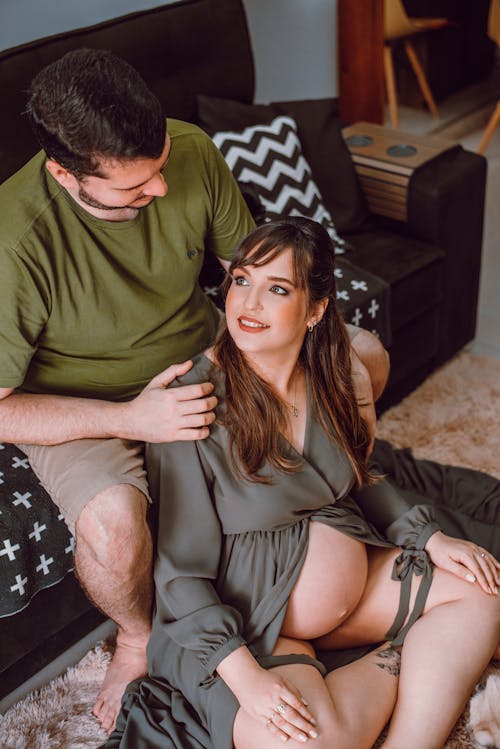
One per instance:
(466,560)
(268,697)
(271,699)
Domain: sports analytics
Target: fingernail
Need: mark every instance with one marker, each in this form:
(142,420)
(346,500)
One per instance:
(304,701)
(301,737)
(313,734)
(470,578)
(313,721)
(284,738)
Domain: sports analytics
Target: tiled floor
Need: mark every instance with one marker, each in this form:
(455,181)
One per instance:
(469,110)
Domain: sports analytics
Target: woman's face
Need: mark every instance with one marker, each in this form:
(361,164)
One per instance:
(265,310)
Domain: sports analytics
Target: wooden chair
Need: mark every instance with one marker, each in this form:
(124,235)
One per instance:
(399,27)
(493,33)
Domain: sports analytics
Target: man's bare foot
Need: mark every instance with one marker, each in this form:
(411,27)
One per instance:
(128,663)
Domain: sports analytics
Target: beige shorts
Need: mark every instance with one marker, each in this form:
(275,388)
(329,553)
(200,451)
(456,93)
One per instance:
(75,472)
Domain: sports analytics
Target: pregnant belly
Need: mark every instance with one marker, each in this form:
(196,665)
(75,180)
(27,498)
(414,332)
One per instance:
(329,586)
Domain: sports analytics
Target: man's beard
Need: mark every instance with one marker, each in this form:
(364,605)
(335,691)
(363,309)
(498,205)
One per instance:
(86,198)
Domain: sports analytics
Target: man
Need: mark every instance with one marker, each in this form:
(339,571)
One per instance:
(99,292)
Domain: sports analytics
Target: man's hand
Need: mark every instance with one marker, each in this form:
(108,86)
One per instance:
(159,414)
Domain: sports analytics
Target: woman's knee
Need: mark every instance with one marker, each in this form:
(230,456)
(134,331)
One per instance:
(337,731)
(447,588)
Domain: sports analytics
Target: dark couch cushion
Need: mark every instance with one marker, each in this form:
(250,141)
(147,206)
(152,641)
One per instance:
(414,352)
(413,269)
(214,114)
(322,144)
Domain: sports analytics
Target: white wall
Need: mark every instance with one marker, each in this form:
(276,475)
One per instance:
(294,41)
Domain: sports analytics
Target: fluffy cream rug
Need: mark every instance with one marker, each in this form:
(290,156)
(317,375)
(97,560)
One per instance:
(453,417)
(58,716)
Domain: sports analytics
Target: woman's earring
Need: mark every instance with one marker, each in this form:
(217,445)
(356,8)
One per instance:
(311,326)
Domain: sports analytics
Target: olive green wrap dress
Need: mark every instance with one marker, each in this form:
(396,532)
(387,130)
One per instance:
(229,553)
(236,579)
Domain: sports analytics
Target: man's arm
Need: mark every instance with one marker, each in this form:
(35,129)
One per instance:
(157,414)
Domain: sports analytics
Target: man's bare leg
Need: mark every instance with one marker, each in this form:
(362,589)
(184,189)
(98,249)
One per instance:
(113,559)
(374,357)
(370,372)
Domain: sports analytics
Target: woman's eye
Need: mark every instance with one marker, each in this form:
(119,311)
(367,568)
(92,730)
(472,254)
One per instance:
(279,290)
(240,281)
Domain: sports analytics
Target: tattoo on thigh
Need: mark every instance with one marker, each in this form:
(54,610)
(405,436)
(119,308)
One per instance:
(389,660)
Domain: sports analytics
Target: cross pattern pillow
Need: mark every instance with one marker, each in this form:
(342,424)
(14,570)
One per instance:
(270,158)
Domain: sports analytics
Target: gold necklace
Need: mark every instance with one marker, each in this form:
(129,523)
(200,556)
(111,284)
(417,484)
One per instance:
(293,404)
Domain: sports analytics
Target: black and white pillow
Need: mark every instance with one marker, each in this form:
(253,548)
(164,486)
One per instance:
(270,158)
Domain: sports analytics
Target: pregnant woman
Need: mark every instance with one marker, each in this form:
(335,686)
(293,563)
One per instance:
(269,577)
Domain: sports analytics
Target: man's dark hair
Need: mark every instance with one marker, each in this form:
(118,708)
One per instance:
(91,104)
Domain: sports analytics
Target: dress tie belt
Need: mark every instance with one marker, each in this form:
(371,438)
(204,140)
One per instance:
(410,562)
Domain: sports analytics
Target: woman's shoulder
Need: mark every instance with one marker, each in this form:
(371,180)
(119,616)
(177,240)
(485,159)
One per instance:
(203,370)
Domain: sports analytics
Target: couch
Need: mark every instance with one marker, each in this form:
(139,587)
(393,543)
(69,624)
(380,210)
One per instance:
(423,273)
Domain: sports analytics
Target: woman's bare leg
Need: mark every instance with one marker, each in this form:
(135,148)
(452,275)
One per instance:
(440,665)
(443,655)
(366,714)
(351,706)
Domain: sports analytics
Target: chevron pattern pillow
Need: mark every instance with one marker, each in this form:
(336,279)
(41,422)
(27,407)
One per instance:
(270,158)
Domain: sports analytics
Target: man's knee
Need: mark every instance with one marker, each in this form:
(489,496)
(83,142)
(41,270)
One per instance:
(113,526)
(375,358)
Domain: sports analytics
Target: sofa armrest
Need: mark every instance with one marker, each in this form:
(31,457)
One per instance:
(446,207)
(386,160)
(435,191)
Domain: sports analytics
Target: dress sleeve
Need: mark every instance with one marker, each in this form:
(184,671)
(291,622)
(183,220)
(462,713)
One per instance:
(402,523)
(188,608)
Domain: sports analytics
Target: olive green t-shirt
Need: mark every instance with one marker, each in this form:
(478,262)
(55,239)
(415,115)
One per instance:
(96,308)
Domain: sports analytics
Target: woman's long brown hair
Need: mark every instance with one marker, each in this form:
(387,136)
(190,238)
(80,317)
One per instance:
(256,417)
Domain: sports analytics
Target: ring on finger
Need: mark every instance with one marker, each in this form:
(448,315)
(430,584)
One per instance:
(482,554)
(281,708)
